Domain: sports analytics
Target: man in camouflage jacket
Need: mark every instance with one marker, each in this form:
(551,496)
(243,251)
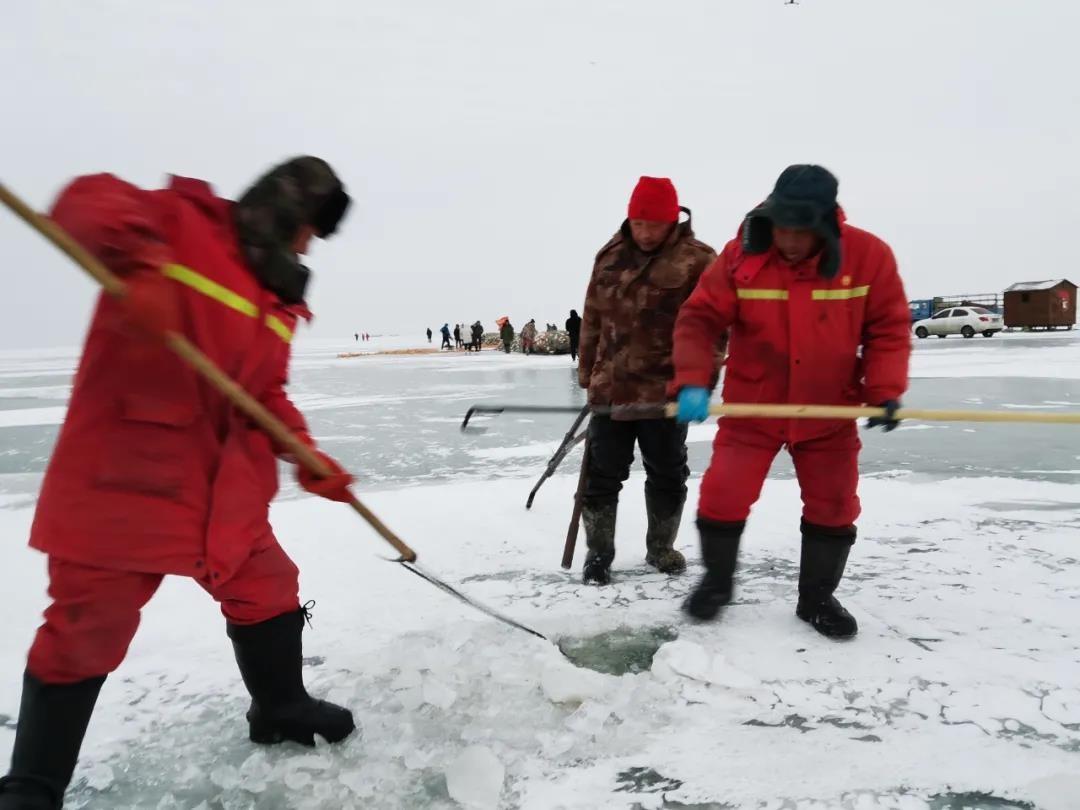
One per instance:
(641,278)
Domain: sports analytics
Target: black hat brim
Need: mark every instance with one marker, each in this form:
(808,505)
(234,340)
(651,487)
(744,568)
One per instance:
(789,213)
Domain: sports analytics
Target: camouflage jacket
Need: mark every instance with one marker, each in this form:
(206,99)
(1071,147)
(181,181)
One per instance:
(630,309)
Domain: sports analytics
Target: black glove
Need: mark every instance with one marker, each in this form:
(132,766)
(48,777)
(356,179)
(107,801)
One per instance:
(888,421)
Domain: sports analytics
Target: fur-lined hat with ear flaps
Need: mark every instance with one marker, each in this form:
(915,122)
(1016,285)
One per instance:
(804,197)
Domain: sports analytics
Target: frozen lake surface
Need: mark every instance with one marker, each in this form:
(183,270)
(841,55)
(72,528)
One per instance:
(395,419)
(962,689)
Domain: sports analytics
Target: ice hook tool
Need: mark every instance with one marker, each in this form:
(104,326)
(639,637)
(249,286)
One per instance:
(784,411)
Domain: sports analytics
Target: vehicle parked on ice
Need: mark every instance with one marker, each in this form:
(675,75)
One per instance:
(966,321)
(922,308)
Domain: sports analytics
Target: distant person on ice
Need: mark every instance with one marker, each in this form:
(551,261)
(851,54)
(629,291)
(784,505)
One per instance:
(641,278)
(506,332)
(818,316)
(446,337)
(573,328)
(155,473)
(477,336)
(457,336)
(429,335)
(528,337)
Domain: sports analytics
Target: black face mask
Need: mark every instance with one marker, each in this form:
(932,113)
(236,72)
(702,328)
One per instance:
(282,274)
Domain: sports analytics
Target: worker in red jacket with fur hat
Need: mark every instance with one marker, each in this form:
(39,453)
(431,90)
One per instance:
(817,315)
(156,473)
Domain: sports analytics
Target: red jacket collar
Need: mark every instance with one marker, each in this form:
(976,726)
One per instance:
(301,311)
(201,194)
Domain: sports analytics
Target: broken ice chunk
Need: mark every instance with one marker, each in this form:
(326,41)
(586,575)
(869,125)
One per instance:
(689,660)
(562,682)
(475,778)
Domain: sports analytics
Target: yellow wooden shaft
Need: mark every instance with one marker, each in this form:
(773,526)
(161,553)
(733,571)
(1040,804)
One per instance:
(764,411)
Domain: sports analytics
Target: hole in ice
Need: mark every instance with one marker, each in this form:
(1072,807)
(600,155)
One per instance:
(620,651)
(644,780)
(974,801)
(942,801)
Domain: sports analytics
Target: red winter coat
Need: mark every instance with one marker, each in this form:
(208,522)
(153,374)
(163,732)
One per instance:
(153,470)
(796,337)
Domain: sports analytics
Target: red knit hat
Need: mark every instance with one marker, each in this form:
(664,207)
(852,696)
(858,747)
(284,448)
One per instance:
(654,199)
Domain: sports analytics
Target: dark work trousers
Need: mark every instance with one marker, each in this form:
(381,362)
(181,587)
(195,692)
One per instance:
(573,347)
(611,452)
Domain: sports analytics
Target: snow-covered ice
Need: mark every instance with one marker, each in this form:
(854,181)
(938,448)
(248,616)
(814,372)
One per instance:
(25,417)
(966,581)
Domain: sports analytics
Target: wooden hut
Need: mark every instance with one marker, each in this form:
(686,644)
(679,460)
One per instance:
(1041,304)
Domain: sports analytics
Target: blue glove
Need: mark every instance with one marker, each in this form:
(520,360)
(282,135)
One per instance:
(693,404)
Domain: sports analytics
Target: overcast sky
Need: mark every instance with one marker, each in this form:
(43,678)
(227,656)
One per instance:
(491,145)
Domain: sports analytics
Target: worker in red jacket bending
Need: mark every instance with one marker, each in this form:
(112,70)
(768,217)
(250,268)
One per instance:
(156,473)
(817,315)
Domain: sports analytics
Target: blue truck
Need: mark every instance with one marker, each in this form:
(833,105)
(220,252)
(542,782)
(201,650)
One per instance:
(921,308)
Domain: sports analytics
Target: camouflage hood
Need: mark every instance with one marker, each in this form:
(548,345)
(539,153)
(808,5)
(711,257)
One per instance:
(301,191)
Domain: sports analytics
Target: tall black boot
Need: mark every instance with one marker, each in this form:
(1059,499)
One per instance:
(599,523)
(824,556)
(665,514)
(52,723)
(270,658)
(719,552)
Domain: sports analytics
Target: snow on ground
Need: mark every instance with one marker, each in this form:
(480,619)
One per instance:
(963,680)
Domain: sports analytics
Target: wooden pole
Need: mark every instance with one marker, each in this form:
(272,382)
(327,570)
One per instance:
(768,411)
(241,399)
(575,516)
(755,411)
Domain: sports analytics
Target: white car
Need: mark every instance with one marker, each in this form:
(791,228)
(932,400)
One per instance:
(964,321)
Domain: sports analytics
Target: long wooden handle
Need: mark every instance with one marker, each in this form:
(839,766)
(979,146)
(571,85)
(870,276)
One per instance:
(60,238)
(755,411)
(575,515)
(241,399)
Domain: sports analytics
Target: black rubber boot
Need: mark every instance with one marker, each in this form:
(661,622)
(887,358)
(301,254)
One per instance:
(824,555)
(665,515)
(719,552)
(270,658)
(52,723)
(600,537)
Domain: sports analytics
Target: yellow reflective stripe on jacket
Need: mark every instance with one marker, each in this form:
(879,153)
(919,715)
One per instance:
(279,328)
(211,289)
(751,294)
(223,295)
(841,294)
